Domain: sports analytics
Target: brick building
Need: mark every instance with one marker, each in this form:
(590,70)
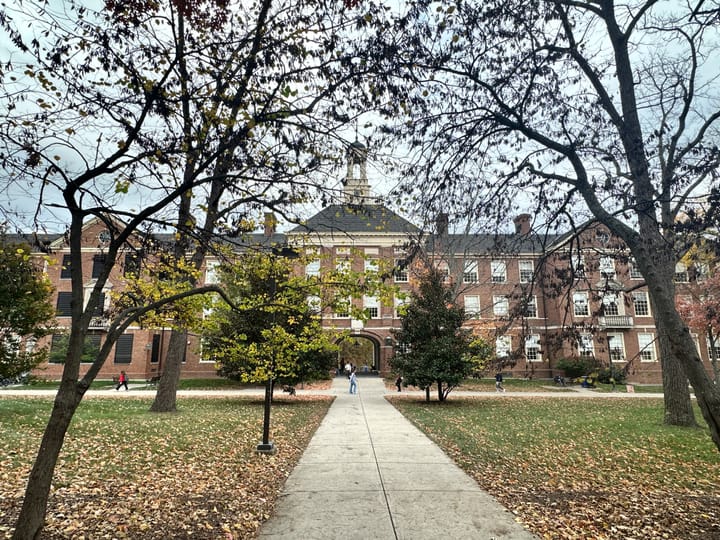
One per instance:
(538,298)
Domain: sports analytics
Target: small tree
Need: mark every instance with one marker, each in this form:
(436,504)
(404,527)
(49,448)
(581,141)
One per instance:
(26,313)
(701,311)
(434,348)
(271,331)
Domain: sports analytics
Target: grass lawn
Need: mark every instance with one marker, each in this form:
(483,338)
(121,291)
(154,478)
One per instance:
(128,473)
(578,469)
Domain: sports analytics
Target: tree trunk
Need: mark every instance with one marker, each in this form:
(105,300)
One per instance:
(441,397)
(682,346)
(427,393)
(166,395)
(32,514)
(713,355)
(678,405)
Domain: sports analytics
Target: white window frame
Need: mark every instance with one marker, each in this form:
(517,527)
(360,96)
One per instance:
(312,268)
(470,272)
(577,264)
(314,303)
(371,265)
(503,346)
(399,302)
(580,299)
(586,346)
(641,298)
(211,275)
(681,273)
(611,299)
(400,275)
(532,348)
(498,271)
(372,306)
(616,347)
(471,303)
(526,270)
(444,270)
(343,265)
(343,314)
(501,306)
(634,271)
(531,310)
(646,347)
(607,267)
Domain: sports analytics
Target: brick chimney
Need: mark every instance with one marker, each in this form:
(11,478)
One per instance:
(522,224)
(441,224)
(270,223)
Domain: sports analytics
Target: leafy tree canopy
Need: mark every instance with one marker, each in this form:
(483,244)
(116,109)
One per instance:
(25,309)
(433,348)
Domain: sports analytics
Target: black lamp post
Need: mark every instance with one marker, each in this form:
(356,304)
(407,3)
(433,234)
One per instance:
(267,446)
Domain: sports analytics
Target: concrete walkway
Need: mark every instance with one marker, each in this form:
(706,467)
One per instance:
(368,473)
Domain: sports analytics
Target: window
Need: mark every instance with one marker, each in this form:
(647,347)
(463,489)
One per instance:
(701,271)
(530,307)
(123,349)
(58,346)
(646,343)
(498,271)
(132,263)
(444,271)
(314,304)
(64,308)
(312,268)
(400,272)
(98,265)
(713,351)
(607,267)
(634,270)
(577,264)
(527,271)
(610,304)
(580,304)
(65,272)
(470,272)
(501,305)
(342,265)
(532,348)
(342,308)
(503,346)
(211,272)
(371,306)
(616,347)
(400,307)
(371,265)
(586,346)
(681,273)
(99,310)
(641,304)
(472,306)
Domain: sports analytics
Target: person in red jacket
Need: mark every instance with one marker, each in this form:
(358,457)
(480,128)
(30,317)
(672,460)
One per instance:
(122,381)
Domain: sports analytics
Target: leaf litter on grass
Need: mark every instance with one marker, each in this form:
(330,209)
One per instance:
(126,473)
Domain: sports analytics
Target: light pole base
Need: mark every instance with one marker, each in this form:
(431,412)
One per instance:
(266,448)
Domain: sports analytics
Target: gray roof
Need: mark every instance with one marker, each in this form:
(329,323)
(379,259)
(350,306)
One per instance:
(500,243)
(356,219)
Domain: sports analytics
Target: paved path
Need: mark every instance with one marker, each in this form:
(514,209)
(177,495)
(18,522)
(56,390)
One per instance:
(368,473)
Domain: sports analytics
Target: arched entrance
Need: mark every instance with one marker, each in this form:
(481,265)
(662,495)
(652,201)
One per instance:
(361,351)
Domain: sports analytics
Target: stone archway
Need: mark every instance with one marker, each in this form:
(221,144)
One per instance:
(362,351)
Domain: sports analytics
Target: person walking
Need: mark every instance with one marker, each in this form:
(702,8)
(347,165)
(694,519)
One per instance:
(353,383)
(398,382)
(122,381)
(498,383)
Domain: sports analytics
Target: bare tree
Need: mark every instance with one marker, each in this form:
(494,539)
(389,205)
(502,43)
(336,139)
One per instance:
(588,109)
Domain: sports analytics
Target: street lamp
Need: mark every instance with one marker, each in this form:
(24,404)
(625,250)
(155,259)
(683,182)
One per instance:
(267,446)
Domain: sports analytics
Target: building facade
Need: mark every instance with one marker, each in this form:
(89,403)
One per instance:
(538,298)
